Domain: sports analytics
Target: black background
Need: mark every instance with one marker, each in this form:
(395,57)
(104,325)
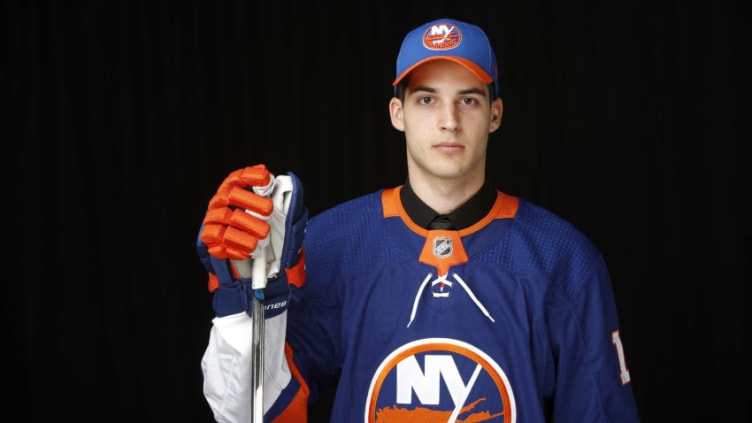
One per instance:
(629,119)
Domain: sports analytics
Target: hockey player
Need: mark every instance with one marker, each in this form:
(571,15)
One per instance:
(440,300)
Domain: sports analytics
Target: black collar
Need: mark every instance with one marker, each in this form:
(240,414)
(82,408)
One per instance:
(473,210)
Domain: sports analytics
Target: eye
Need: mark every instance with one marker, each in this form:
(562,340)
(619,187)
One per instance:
(425,99)
(469,101)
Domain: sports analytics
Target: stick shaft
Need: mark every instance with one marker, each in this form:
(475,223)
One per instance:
(258,284)
(257,338)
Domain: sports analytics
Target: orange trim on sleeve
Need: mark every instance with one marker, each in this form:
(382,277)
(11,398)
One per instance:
(297,410)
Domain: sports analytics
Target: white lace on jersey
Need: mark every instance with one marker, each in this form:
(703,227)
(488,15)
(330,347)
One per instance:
(443,279)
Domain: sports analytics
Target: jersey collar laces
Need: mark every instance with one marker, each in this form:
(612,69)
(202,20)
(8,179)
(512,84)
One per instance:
(443,279)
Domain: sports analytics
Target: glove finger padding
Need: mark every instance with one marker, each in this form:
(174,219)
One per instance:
(242,197)
(235,221)
(232,233)
(251,176)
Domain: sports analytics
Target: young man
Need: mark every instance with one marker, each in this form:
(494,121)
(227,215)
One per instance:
(440,300)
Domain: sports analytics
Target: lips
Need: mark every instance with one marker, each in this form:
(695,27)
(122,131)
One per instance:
(449,147)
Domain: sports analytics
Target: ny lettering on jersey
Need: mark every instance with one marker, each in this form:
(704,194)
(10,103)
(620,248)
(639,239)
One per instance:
(441,380)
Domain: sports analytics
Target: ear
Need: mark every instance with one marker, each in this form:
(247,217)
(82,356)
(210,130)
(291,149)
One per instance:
(396,113)
(497,108)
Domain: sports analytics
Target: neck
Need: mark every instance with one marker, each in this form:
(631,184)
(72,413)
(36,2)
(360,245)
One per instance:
(444,195)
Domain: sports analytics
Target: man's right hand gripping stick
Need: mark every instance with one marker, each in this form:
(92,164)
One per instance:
(238,223)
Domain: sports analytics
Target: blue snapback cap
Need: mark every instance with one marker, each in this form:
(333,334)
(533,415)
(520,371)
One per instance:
(449,39)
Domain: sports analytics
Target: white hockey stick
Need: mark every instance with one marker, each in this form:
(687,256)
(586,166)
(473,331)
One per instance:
(257,337)
(258,284)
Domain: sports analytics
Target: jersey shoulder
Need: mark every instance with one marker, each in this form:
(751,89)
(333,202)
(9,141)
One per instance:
(540,239)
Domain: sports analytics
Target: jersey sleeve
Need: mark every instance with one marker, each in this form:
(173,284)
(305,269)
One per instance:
(592,379)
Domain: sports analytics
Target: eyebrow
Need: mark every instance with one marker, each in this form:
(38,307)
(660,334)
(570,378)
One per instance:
(462,92)
(474,91)
(424,88)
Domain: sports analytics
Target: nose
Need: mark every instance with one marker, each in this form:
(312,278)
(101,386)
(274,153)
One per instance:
(449,117)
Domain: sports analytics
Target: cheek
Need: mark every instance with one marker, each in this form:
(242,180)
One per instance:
(415,148)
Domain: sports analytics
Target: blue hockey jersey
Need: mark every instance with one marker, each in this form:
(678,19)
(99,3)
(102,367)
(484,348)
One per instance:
(509,320)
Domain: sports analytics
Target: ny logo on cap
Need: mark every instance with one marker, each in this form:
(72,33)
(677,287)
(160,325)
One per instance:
(442,37)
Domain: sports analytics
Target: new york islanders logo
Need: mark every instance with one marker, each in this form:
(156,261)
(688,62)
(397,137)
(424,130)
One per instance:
(439,380)
(442,37)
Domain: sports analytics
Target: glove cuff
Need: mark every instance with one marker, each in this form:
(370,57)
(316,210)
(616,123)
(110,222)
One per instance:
(274,306)
(232,298)
(236,297)
(278,289)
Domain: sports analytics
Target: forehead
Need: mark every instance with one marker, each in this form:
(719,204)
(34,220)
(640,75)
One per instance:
(443,74)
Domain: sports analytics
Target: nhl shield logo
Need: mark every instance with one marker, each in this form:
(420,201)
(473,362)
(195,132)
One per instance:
(442,247)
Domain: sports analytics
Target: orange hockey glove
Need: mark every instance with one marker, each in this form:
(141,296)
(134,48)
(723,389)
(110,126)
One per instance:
(235,221)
